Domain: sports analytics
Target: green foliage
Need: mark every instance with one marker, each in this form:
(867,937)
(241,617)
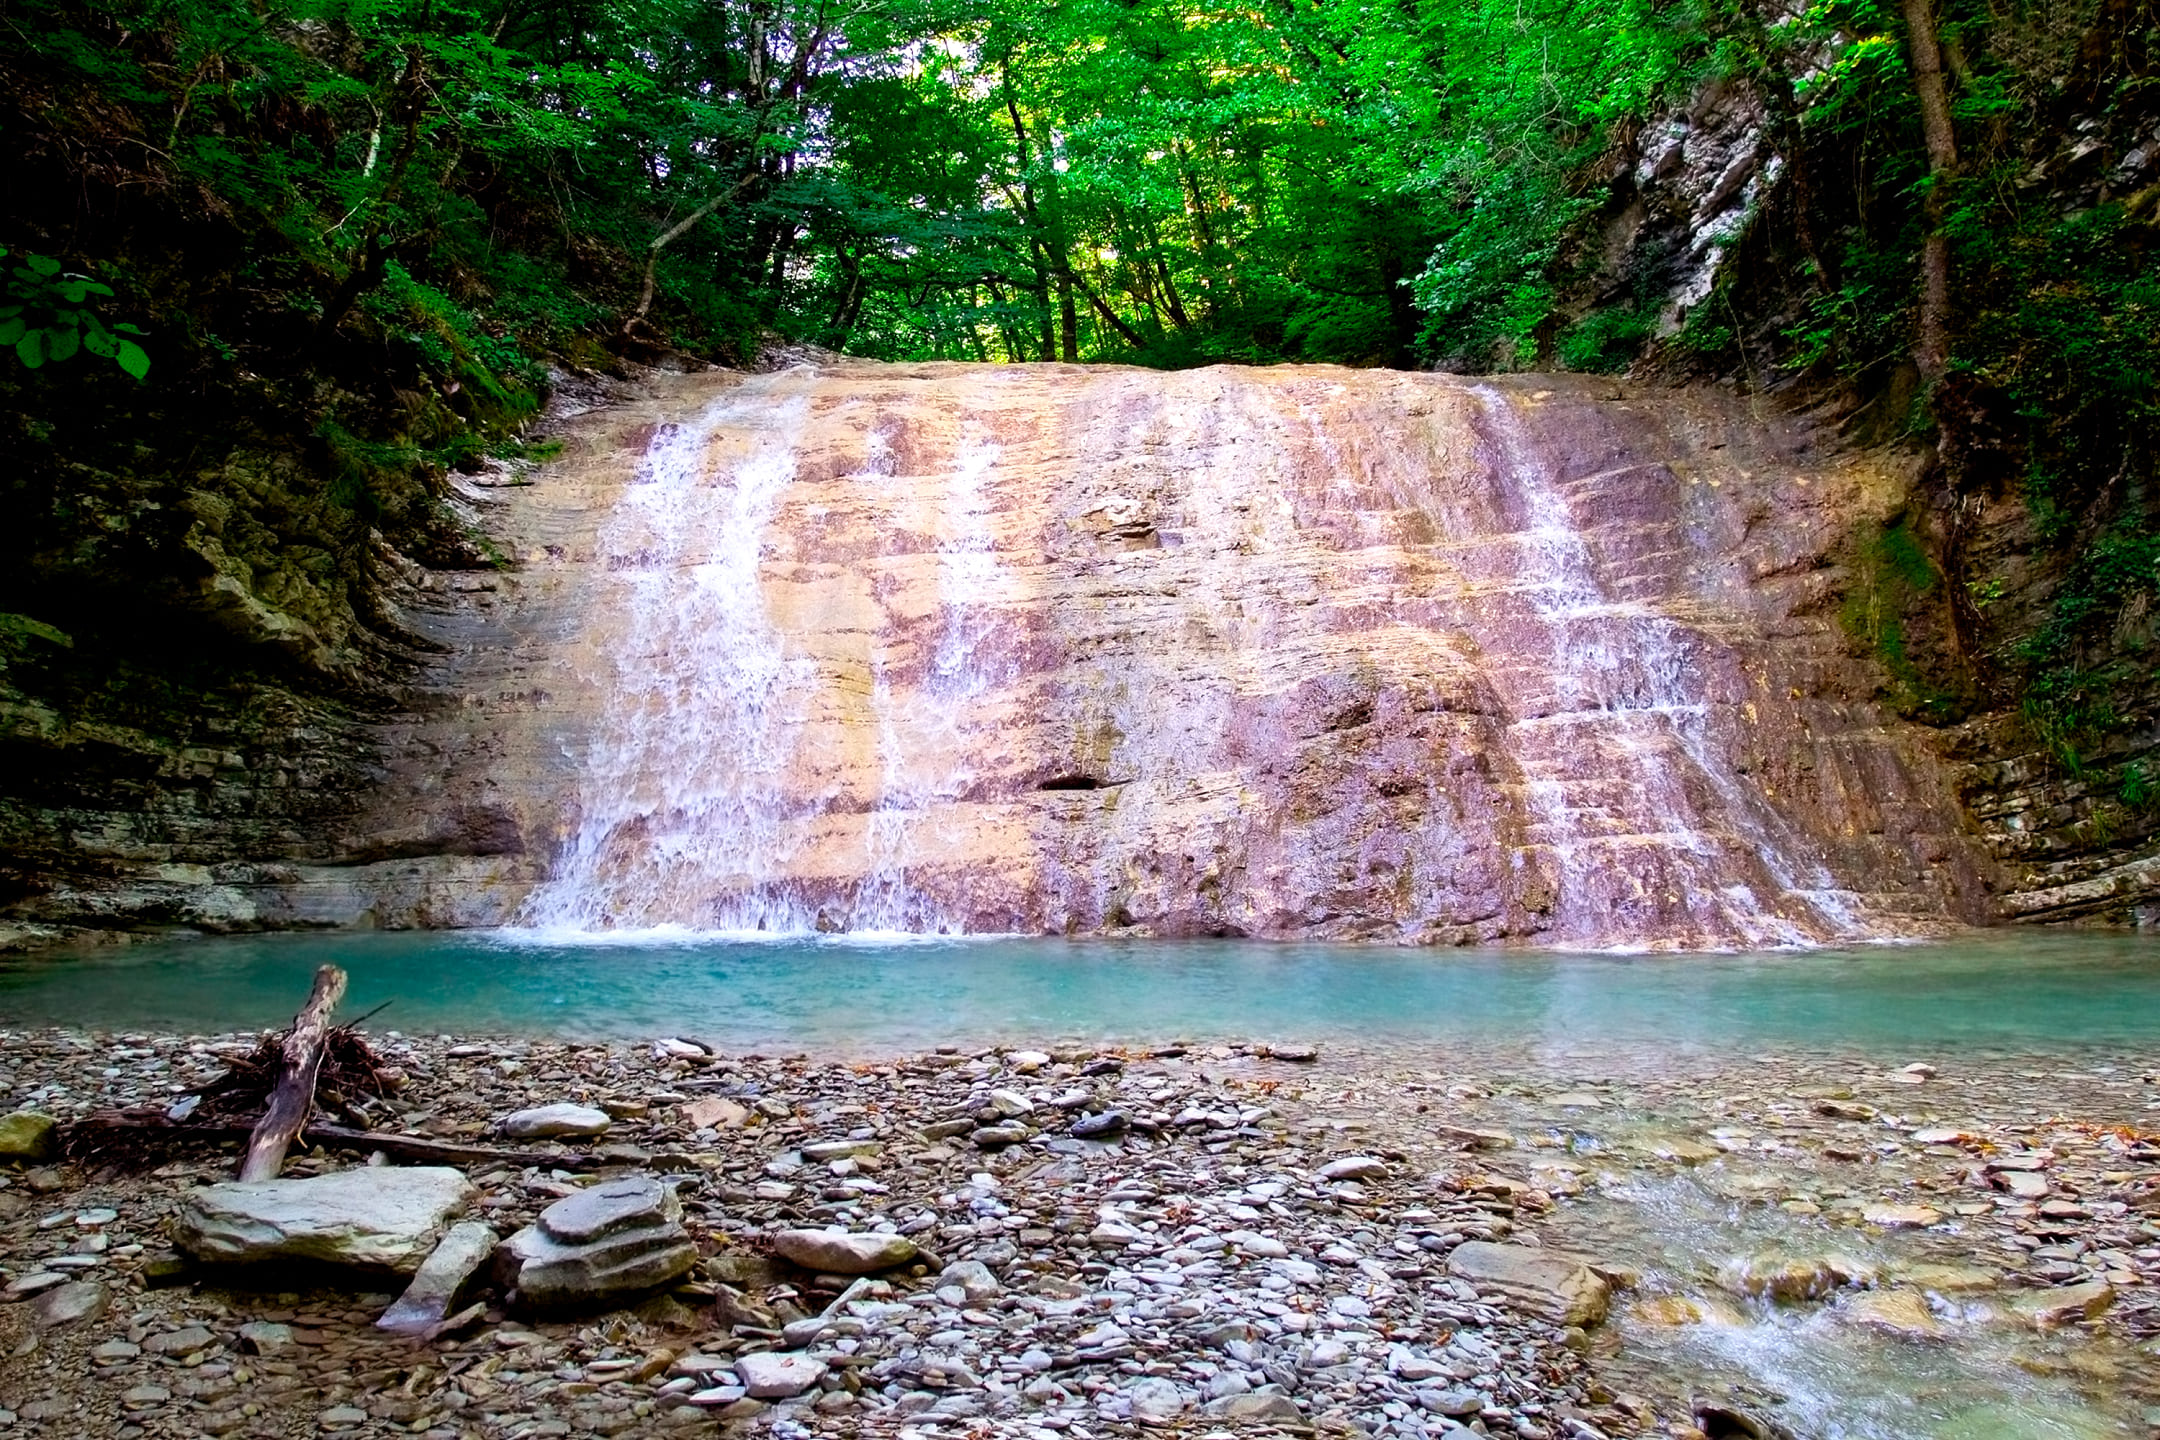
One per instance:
(1893,575)
(45,314)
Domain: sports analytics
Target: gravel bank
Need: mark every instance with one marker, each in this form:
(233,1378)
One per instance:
(1197,1239)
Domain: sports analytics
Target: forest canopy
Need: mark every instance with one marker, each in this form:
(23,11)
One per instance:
(360,240)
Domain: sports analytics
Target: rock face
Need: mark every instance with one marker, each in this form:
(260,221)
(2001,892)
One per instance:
(1562,1291)
(381,1216)
(615,1238)
(1290,652)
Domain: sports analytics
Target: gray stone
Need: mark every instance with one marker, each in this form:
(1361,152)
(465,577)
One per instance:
(1109,1122)
(441,1279)
(67,1304)
(619,1237)
(839,1252)
(552,1121)
(1563,1291)
(266,1337)
(27,1135)
(1156,1402)
(380,1215)
(1354,1167)
(993,1137)
(188,1340)
(973,1278)
(778,1377)
(1258,1410)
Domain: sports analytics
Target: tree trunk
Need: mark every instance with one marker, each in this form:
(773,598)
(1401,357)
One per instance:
(1931,347)
(294,1094)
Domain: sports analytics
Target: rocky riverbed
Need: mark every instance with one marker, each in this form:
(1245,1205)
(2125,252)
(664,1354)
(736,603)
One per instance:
(1075,1241)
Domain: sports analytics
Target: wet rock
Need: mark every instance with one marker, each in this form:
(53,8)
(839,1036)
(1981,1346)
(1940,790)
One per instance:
(1674,1311)
(838,1252)
(774,1376)
(1901,1217)
(27,1135)
(1792,1278)
(1902,1313)
(614,1239)
(69,1304)
(381,1216)
(548,1122)
(441,1279)
(1562,1291)
(1949,1279)
(2053,1309)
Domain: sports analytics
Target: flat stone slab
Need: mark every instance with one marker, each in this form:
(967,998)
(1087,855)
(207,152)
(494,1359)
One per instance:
(1565,1292)
(839,1252)
(632,1202)
(380,1215)
(68,1304)
(547,1122)
(442,1277)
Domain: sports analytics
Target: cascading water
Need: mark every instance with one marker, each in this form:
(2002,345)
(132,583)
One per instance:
(679,816)
(925,747)
(686,817)
(1626,684)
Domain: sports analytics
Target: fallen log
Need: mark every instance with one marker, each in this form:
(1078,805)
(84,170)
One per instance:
(155,1127)
(299,1065)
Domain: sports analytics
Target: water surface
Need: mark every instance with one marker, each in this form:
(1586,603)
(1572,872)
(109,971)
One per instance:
(2001,990)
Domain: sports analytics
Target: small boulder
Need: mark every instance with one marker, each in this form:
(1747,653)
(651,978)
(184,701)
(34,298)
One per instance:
(549,1122)
(27,1136)
(380,1215)
(441,1279)
(1901,1217)
(840,1252)
(68,1304)
(619,1237)
(1354,1167)
(773,1376)
(1155,1401)
(1564,1292)
(715,1112)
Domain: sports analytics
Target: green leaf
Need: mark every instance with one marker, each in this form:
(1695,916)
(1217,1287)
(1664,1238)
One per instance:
(12,330)
(31,349)
(43,265)
(134,359)
(123,328)
(99,342)
(61,344)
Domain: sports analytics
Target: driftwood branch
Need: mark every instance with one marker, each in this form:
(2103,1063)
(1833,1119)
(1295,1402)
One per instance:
(154,1127)
(298,1068)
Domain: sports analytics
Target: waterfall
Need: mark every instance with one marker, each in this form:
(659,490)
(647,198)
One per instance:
(680,810)
(948,649)
(1625,697)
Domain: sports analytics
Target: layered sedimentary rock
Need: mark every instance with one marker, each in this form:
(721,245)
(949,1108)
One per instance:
(1288,652)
